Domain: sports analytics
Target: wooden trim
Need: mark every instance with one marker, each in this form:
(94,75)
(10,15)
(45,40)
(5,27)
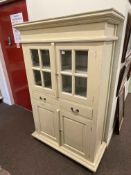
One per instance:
(112,16)
(120,111)
(81,40)
(121,76)
(129,72)
(127,37)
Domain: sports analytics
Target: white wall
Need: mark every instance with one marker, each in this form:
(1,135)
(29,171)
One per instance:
(42,9)
(4,82)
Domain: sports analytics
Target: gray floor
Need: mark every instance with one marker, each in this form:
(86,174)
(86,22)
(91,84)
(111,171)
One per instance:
(20,154)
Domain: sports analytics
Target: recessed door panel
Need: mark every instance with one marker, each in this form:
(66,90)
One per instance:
(47,120)
(75,134)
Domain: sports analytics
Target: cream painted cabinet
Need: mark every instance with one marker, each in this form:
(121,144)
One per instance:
(69,69)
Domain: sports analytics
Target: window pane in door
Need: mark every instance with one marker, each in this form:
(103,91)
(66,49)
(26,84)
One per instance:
(47,79)
(37,77)
(35,57)
(45,56)
(81,59)
(81,86)
(66,60)
(66,83)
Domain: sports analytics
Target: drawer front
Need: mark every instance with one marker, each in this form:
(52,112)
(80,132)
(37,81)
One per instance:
(44,98)
(77,109)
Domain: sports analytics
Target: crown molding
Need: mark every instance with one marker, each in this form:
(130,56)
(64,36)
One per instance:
(110,15)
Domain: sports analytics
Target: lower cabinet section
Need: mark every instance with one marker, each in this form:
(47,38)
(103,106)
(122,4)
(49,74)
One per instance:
(67,132)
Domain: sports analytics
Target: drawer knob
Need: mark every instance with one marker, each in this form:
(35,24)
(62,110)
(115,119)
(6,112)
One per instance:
(75,111)
(42,98)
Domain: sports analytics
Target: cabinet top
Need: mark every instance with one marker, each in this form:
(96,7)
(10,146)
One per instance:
(110,15)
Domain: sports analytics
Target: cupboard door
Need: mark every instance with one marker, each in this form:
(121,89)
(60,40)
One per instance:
(76,67)
(47,120)
(41,63)
(75,134)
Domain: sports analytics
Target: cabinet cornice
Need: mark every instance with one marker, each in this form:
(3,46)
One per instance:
(110,15)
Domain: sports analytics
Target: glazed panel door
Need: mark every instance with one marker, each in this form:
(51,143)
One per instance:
(42,68)
(76,69)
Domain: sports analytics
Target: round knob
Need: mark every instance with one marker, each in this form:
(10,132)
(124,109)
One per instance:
(72,108)
(77,110)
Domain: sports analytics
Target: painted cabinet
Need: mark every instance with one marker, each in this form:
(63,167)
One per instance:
(68,64)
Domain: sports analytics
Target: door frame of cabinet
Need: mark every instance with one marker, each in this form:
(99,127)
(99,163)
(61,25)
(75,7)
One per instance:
(91,73)
(40,89)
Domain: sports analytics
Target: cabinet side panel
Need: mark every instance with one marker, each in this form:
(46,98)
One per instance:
(104,91)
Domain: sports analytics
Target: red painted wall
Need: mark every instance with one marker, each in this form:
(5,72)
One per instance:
(13,56)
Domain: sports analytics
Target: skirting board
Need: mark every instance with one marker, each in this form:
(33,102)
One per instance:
(91,166)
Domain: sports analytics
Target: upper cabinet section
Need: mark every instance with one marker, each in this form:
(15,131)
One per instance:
(64,54)
(89,27)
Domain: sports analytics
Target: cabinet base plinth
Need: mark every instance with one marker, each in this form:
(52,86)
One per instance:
(86,163)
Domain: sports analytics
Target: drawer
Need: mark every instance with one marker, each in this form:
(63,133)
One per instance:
(76,109)
(44,98)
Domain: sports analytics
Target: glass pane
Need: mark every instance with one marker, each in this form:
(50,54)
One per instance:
(35,57)
(81,86)
(81,61)
(66,60)
(37,77)
(47,79)
(67,83)
(45,56)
